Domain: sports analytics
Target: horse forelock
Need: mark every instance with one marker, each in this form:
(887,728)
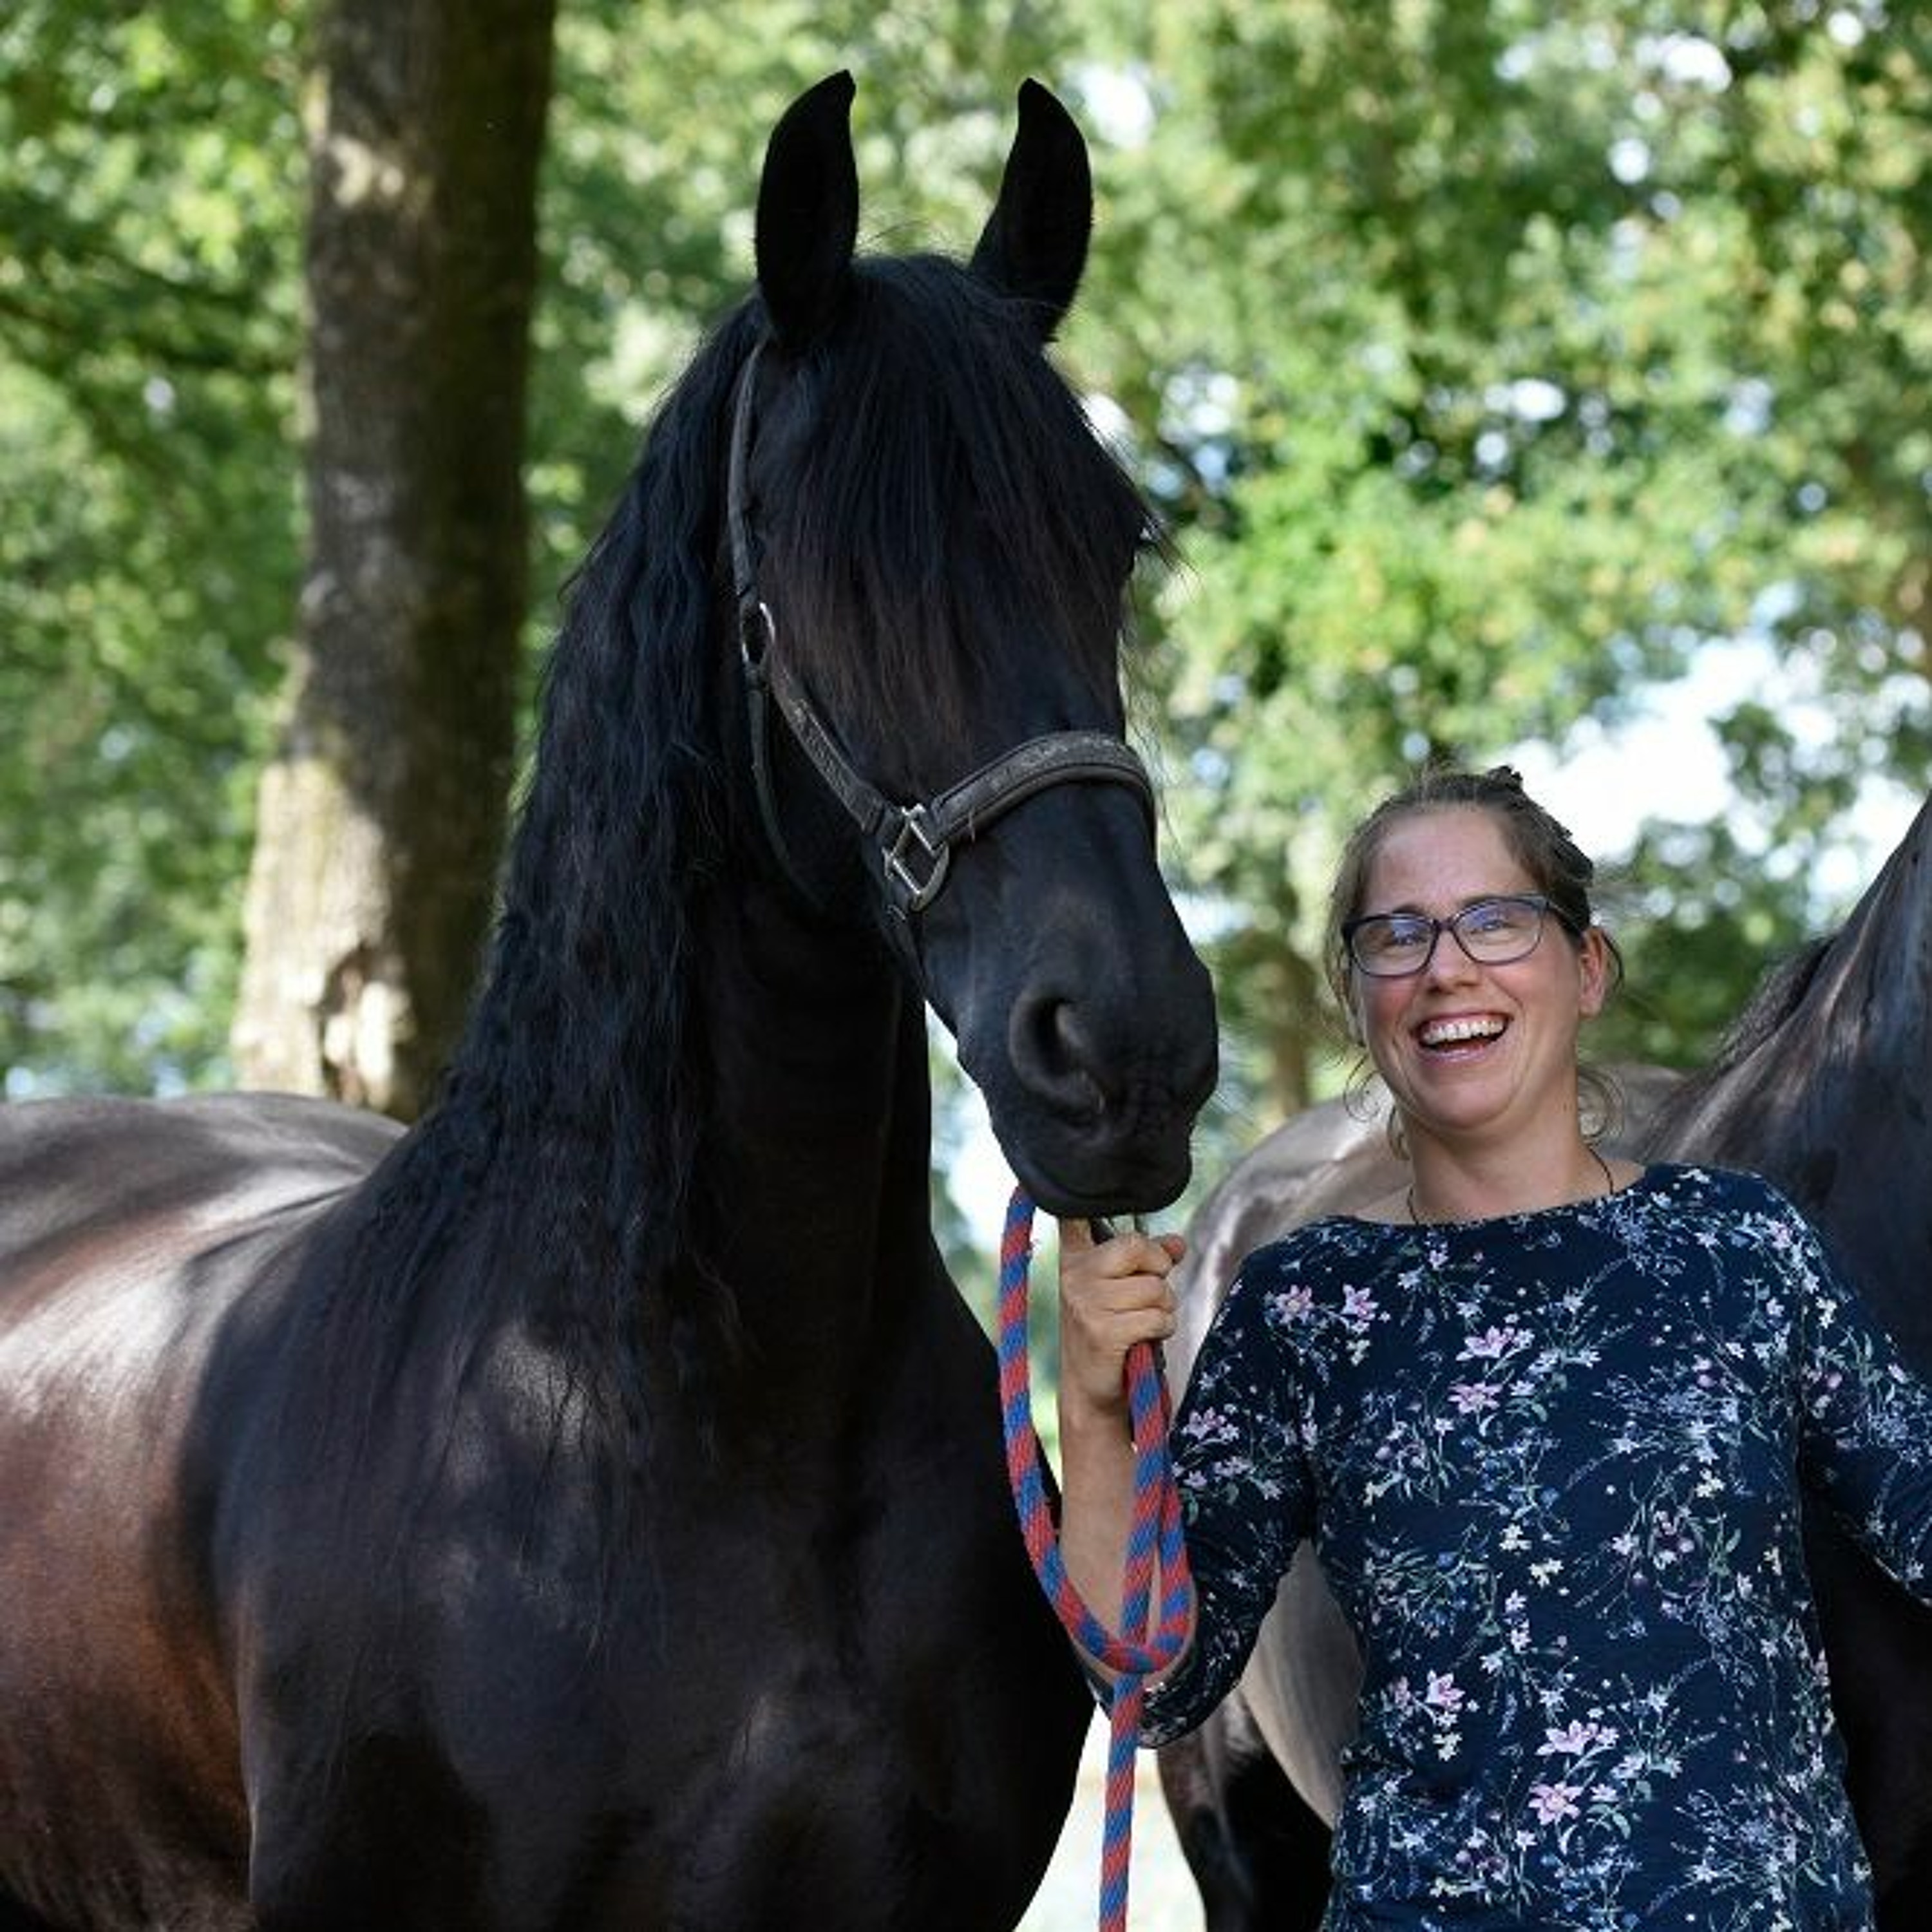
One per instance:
(953,511)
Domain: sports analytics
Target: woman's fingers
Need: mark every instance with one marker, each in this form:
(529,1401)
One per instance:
(1114,1295)
(1121,1257)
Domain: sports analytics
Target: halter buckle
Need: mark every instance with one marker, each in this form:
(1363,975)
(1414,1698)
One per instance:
(758,632)
(910,892)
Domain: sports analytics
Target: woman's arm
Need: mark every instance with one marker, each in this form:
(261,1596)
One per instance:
(1113,1295)
(1865,1423)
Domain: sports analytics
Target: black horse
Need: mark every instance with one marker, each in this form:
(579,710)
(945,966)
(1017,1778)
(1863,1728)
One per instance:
(1821,1085)
(587,1510)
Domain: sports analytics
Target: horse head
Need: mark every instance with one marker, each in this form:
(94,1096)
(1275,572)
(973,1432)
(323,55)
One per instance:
(930,551)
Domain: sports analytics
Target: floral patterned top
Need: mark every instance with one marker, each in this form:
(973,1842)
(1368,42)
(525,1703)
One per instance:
(1551,1463)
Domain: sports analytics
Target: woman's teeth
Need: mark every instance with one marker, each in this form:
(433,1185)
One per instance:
(1454,1033)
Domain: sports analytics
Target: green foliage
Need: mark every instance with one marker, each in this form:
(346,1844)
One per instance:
(148,330)
(1488,361)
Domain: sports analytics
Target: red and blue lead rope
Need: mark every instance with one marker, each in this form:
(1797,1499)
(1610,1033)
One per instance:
(1132,1652)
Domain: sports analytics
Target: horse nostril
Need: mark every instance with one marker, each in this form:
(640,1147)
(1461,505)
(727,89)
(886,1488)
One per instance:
(1053,1053)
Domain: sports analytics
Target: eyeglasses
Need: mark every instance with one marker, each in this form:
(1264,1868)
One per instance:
(1392,945)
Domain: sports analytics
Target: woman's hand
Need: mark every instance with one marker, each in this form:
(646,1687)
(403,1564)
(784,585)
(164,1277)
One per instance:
(1113,1295)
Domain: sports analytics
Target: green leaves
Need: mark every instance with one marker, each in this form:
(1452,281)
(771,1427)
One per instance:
(1499,363)
(1489,363)
(147,331)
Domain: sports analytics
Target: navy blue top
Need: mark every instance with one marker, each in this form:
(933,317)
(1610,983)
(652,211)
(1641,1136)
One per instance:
(1551,1462)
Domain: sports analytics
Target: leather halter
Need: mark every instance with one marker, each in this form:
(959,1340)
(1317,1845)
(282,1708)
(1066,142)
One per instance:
(914,841)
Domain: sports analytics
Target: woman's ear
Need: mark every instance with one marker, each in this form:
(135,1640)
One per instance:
(1593,965)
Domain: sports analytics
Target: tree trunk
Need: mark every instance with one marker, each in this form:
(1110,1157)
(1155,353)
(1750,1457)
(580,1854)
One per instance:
(381,816)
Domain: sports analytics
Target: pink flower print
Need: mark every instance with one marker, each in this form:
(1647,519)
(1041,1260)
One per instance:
(1572,1741)
(1443,1693)
(1472,1398)
(1295,1304)
(1492,1344)
(1553,1802)
(1358,1305)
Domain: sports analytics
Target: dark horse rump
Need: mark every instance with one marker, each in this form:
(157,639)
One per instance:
(134,1234)
(587,1509)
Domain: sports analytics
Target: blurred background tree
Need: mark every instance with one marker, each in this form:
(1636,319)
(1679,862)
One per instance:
(380,816)
(1496,368)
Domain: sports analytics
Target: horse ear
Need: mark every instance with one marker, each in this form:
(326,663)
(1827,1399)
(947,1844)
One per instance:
(809,213)
(1035,243)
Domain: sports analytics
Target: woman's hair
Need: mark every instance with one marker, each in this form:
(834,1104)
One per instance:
(1559,868)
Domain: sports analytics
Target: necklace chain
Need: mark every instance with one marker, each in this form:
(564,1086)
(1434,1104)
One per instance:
(1603,1167)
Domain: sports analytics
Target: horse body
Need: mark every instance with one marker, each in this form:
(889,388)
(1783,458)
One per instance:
(1819,1087)
(588,1509)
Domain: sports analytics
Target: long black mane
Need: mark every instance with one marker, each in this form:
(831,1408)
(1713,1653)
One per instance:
(1780,994)
(560,1149)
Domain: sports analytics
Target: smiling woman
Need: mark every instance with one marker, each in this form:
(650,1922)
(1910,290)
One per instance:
(1547,1418)
(1476,1038)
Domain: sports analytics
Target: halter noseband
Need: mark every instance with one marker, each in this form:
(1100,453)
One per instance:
(914,841)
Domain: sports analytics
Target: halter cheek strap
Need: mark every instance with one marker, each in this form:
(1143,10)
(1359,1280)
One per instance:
(915,841)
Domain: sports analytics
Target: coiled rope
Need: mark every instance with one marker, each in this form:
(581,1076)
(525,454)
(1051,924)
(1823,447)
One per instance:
(1132,1652)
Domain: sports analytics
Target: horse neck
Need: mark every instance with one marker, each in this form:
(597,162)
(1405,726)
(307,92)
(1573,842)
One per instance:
(819,1139)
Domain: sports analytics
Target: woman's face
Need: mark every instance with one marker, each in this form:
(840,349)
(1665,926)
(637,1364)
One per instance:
(1472,1052)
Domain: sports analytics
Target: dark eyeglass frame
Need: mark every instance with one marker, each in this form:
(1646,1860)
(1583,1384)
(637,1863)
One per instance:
(1538,902)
